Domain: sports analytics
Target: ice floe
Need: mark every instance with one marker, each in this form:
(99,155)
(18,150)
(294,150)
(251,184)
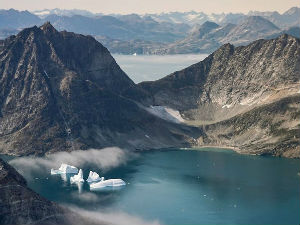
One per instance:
(64,168)
(93,177)
(77,178)
(107,183)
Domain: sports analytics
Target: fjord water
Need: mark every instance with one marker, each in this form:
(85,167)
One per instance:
(152,67)
(208,186)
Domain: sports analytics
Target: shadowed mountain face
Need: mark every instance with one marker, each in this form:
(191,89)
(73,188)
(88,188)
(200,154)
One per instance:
(61,91)
(232,81)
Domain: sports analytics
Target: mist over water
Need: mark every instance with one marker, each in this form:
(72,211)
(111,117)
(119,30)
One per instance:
(209,186)
(153,67)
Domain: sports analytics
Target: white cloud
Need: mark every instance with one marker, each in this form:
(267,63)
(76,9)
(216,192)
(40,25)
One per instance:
(103,159)
(112,217)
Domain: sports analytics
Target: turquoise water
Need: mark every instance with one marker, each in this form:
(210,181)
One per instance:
(191,187)
(152,67)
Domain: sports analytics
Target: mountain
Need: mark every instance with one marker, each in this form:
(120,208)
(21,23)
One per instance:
(21,205)
(64,12)
(64,91)
(197,18)
(293,31)
(224,88)
(287,19)
(210,36)
(14,19)
(126,27)
(250,29)
(166,33)
(203,39)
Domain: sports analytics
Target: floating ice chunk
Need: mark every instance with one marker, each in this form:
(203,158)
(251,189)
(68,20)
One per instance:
(64,168)
(77,178)
(93,177)
(107,183)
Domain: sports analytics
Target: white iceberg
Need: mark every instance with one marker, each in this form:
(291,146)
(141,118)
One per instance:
(64,168)
(93,177)
(107,183)
(77,178)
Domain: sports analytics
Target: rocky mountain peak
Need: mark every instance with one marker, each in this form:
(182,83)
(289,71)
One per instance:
(258,21)
(48,28)
(203,29)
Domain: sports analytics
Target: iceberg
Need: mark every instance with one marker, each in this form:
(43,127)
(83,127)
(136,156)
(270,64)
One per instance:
(64,168)
(93,177)
(77,178)
(107,183)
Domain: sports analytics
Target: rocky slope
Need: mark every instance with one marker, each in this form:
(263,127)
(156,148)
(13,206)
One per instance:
(271,129)
(232,81)
(63,91)
(21,205)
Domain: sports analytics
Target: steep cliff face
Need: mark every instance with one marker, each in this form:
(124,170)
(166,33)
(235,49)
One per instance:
(248,94)
(63,91)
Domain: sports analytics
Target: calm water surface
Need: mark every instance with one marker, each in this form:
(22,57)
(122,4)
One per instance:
(152,67)
(191,187)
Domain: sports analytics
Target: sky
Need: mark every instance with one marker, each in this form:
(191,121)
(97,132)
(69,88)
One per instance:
(153,6)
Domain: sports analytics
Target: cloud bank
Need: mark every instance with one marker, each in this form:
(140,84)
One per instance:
(112,217)
(103,159)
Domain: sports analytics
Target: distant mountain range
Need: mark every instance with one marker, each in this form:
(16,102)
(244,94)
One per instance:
(210,36)
(166,33)
(287,19)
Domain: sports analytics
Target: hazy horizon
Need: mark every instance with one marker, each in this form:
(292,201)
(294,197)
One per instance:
(155,6)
